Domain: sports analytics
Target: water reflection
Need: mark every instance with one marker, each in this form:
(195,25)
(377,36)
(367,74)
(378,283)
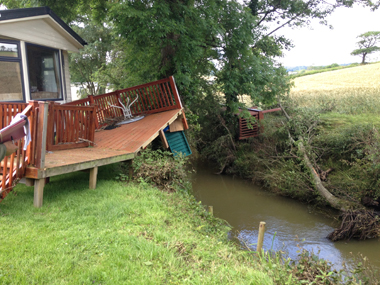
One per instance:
(244,205)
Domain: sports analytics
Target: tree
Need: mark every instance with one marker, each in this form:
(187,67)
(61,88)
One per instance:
(192,39)
(92,57)
(100,63)
(367,44)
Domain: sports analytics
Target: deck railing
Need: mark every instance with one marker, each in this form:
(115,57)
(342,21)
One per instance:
(153,97)
(70,126)
(13,166)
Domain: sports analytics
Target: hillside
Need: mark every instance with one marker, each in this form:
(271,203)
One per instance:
(352,91)
(357,77)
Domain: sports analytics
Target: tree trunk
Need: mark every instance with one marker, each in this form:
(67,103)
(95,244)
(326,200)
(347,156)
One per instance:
(330,198)
(363,58)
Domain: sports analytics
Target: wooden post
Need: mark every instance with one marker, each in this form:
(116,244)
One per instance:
(93,124)
(175,92)
(184,121)
(130,168)
(92,103)
(93,176)
(163,139)
(260,239)
(261,117)
(39,185)
(211,210)
(42,134)
(50,127)
(91,99)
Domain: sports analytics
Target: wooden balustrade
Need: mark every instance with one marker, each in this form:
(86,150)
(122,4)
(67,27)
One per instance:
(153,97)
(104,110)
(8,111)
(52,127)
(13,167)
(70,126)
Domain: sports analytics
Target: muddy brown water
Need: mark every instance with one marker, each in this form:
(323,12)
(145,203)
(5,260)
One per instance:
(289,223)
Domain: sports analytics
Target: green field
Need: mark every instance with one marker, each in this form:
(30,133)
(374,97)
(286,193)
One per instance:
(348,91)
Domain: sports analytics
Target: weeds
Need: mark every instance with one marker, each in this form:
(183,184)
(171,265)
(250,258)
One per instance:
(159,168)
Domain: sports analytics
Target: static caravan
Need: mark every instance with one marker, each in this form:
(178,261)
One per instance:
(34,45)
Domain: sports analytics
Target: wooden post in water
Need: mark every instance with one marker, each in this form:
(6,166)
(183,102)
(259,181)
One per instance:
(260,239)
(211,210)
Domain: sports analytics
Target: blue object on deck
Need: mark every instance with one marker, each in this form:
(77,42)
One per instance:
(178,143)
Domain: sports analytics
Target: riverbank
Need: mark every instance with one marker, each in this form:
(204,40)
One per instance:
(116,234)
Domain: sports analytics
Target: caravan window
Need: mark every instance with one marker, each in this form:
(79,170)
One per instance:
(11,88)
(44,73)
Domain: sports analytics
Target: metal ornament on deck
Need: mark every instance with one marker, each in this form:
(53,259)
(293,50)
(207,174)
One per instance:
(128,118)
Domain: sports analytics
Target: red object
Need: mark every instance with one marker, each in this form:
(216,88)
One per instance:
(13,132)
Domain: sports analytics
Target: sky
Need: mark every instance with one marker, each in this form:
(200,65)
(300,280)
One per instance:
(320,45)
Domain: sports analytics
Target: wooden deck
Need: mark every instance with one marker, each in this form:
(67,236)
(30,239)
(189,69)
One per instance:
(69,137)
(119,144)
(132,137)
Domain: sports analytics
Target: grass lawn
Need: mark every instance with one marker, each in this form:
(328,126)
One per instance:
(117,234)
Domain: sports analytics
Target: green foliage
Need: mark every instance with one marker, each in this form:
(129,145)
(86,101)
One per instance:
(308,268)
(354,150)
(161,169)
(278,267)
(367,44)
(93,57)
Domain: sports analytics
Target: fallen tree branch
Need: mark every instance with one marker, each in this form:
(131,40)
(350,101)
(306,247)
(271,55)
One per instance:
(229,133)
(357,221)
(330,198)
(359,224)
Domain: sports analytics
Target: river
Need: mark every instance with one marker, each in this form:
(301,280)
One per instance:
(290,224)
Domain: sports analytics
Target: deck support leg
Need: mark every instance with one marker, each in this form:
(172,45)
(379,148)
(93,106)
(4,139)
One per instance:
(130,168)
(39,185)
(93,177)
